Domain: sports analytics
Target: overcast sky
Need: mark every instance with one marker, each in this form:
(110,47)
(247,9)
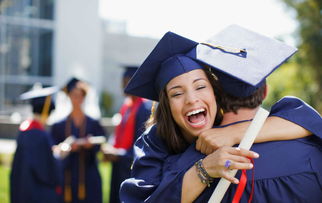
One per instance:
(200,19)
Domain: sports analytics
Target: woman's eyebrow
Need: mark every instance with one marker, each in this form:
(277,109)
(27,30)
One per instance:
(196,80)
(174,87)
(179,86)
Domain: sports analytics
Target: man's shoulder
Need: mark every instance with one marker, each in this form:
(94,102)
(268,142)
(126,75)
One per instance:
(287,145)
(283,158)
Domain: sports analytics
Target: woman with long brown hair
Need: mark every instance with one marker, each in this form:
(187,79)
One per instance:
(167,167)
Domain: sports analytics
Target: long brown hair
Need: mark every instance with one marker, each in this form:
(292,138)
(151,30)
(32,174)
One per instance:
(168,129)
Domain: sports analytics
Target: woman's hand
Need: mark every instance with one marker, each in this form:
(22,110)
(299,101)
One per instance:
(87,144)
(218,163)
(210,140)
(75,147)
(110,152)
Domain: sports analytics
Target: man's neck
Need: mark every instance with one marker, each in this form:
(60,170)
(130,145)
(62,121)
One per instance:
(242,114)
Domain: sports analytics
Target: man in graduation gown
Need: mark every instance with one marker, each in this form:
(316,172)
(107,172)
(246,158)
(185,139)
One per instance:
(35,172)
(134,112)
(287,171)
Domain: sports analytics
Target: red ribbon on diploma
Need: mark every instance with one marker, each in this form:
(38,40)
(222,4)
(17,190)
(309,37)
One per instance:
(242,184)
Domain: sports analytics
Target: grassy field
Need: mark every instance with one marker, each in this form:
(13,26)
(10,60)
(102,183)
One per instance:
(4,184)
(5,162)
(105,170)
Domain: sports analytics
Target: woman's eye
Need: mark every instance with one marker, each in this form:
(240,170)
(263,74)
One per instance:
(176,94)
(201,87)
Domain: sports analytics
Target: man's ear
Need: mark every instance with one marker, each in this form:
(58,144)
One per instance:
(265,91)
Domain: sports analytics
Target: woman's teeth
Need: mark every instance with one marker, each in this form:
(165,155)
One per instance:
(195,112)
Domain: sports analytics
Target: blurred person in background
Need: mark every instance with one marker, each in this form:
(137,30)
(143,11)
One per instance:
(82,181)
(134,112)
(35,175)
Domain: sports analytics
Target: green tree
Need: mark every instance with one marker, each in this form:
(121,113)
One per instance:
(309,58)
(106,103)
(290,79)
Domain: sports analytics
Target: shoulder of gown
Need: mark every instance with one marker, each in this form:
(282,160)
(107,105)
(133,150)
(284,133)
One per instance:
(299,112)
(149,154)
(142,115)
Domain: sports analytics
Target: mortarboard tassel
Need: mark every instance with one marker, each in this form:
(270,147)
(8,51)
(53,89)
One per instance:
(45,110)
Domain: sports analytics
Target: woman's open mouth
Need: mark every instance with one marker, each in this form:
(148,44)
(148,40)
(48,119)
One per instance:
(197,118)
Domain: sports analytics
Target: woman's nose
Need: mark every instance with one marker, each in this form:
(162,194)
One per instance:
(191,98)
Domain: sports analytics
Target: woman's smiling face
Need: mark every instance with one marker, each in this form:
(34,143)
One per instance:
(192,103)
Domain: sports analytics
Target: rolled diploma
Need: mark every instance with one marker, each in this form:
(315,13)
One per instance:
(65,146)
(92,139)
(246,143)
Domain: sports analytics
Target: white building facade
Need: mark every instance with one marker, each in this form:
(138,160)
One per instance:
(62,39)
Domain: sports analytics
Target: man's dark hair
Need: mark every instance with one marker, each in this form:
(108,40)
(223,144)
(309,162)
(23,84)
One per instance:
(38,105)
(231,103)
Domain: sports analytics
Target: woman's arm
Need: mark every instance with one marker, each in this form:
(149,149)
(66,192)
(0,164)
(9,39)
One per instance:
(291,118)
(214,164)
(274,129)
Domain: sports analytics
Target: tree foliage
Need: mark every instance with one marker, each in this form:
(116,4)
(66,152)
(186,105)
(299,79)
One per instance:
(309,58)
(106,103)
(290,80)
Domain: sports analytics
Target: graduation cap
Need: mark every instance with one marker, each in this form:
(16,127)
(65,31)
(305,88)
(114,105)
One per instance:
(73,83)
(129,71)
(165,62)
(242,59)
(40,99)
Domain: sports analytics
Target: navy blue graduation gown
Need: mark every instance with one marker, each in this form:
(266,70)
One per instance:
(121,169)
(35,172)
(287,171)
(93,184)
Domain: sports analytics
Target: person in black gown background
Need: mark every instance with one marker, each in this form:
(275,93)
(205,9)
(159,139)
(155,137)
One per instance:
(35,175)
(134,112)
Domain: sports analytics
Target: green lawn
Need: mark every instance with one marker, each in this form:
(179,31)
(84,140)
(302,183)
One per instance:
(5,160)
(4,184)
(105,170)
